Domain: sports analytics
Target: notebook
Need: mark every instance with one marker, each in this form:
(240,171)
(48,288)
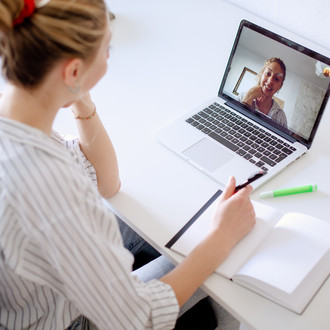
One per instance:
(229,135)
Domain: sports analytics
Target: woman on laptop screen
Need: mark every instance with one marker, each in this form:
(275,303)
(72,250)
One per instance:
(261,96)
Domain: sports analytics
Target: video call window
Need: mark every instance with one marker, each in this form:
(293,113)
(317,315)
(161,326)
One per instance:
(296,104)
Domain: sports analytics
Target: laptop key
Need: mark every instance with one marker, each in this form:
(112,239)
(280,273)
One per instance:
(260,164)
(206,130)
(241,152)
(279,159)
(287,151)
(223,141)
(268,161)
(258,155)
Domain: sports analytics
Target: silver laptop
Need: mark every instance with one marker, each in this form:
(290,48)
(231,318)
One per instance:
(234,134)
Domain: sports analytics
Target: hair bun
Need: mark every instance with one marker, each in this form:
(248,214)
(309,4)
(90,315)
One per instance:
(26,12)
(9,9)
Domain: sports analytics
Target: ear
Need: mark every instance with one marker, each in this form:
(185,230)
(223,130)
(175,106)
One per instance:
(72,71)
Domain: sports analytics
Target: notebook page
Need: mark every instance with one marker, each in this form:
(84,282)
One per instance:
(288,254)
(266,218)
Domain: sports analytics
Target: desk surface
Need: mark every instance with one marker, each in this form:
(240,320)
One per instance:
(166,57)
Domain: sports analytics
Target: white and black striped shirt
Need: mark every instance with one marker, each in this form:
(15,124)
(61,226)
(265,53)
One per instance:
(61,250)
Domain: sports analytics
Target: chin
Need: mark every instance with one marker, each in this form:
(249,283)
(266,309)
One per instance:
(268,92)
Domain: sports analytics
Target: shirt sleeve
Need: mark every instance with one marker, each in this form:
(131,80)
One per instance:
(80,255)
(281,119)
(72,144)
(278,114)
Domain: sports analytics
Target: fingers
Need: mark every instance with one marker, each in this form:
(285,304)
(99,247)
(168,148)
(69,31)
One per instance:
(246,191)
(229,189)
(234,216)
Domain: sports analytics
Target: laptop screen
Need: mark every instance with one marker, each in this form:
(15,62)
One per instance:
(277,82)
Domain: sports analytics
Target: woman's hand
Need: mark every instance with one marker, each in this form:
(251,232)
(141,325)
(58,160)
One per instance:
(234,216)
(84,106)
(97,146)
(253,94)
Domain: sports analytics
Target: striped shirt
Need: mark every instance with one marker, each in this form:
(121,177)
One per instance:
(61,250)
(275,113)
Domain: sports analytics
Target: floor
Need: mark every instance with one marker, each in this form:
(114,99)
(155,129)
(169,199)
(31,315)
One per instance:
(207,315)
(200,317)
(225,320)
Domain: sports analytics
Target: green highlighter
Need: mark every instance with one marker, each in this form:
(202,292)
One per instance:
(289,191)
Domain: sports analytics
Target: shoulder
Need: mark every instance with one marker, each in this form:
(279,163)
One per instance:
(276,106)
(277,114)
(240,96)
(39,172)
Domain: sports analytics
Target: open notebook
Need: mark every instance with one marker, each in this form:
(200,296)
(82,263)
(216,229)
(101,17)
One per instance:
(286,257)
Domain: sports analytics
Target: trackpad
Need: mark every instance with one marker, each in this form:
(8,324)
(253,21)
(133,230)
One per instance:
(208,155)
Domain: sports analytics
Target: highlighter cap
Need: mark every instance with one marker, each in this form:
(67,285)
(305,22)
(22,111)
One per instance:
(266,194)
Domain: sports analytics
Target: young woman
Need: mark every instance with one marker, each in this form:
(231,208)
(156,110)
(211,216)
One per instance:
(61,250)
(260,97)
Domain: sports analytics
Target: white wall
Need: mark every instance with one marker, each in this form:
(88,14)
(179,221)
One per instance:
(307,18)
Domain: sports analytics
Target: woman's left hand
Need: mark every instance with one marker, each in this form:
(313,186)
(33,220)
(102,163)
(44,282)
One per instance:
(84,106)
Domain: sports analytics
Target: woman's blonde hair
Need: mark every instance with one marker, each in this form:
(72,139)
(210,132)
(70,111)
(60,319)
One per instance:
(57,30)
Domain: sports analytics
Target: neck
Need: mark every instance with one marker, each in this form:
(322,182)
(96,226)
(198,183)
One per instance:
(30,107)
(265,104)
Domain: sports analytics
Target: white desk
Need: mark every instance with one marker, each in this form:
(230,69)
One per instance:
(168,56)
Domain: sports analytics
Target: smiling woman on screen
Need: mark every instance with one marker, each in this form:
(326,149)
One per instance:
(260,97)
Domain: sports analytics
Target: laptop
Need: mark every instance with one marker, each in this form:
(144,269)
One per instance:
(227,136)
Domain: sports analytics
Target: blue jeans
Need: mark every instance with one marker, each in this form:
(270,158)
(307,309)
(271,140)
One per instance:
(133,241)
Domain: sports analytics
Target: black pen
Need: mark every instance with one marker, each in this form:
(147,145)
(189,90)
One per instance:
(252,178)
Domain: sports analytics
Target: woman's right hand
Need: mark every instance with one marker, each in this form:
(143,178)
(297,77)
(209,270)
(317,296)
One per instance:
(252,94)
(234,216)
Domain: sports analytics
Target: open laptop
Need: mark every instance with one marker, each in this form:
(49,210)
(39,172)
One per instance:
(225,137)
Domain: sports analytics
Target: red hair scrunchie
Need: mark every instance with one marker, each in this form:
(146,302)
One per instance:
(27,11)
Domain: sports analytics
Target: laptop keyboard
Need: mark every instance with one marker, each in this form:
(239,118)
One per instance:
(241,136)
